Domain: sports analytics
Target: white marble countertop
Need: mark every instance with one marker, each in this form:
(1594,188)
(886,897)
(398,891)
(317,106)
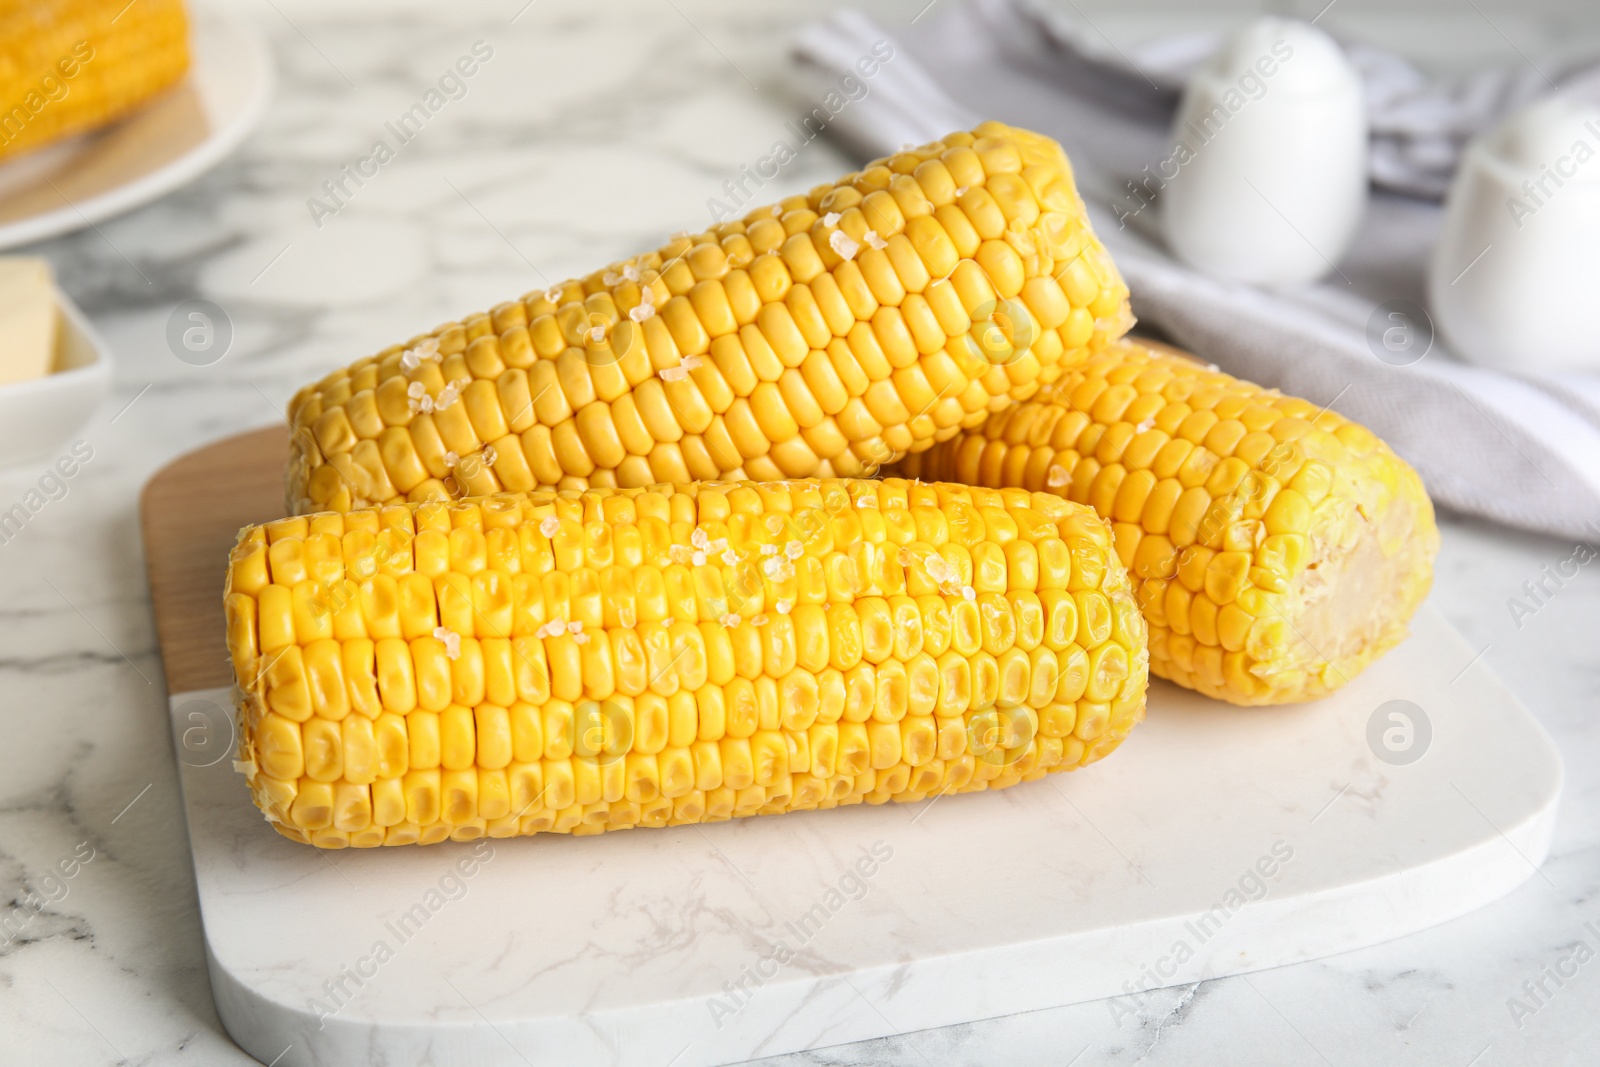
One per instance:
(587,135)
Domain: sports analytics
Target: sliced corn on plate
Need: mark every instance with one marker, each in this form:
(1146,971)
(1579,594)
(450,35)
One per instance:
(75,65)
(593,660)
(1277,548)
(822,336)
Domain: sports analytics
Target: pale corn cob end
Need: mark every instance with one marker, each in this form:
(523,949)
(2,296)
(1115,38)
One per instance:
(1277,548)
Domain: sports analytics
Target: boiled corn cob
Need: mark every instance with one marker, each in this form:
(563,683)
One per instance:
(595,660)
(75,65)
(825,335)
(1276,548)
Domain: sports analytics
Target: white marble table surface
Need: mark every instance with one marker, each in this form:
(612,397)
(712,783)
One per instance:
(590,133)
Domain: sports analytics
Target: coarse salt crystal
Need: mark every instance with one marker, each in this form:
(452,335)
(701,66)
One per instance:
(794,549)
(1057,477)
(597,334)
(451,639)
(759,620)
(730,557)
(451,459)
(841,243)
(782,607)
(831,218)
(641,312)
(490,455)
(730,620)
(968,593)
(698,559)
(447,396)
(553,295)
(630,272)
(550,526)
(875,241)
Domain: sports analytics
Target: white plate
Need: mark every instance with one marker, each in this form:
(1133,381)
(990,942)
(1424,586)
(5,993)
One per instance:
(39,417)
(166,144)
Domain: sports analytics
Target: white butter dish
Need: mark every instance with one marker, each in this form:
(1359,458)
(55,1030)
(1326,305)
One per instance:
(39,417)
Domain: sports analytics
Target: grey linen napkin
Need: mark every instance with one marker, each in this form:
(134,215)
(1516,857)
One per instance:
(1523,450)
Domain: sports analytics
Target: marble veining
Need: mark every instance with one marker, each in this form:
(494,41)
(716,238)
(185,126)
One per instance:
(592,133)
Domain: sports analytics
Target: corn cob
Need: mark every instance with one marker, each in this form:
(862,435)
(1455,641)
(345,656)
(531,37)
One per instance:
(595,660)
(825,335)
(1276,548)
(75,65)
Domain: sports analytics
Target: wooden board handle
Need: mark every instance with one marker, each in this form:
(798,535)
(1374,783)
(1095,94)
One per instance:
(190,513)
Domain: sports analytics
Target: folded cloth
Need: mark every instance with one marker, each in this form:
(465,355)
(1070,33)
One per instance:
(1523,450)
(1418,125)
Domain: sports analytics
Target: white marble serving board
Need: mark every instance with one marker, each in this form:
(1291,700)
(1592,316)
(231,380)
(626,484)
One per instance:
(620,949)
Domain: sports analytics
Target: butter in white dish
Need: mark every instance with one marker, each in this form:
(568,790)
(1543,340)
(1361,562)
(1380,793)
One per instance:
(27,319)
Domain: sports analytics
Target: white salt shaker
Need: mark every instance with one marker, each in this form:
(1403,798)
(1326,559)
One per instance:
(1515,277)
(1267,176)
